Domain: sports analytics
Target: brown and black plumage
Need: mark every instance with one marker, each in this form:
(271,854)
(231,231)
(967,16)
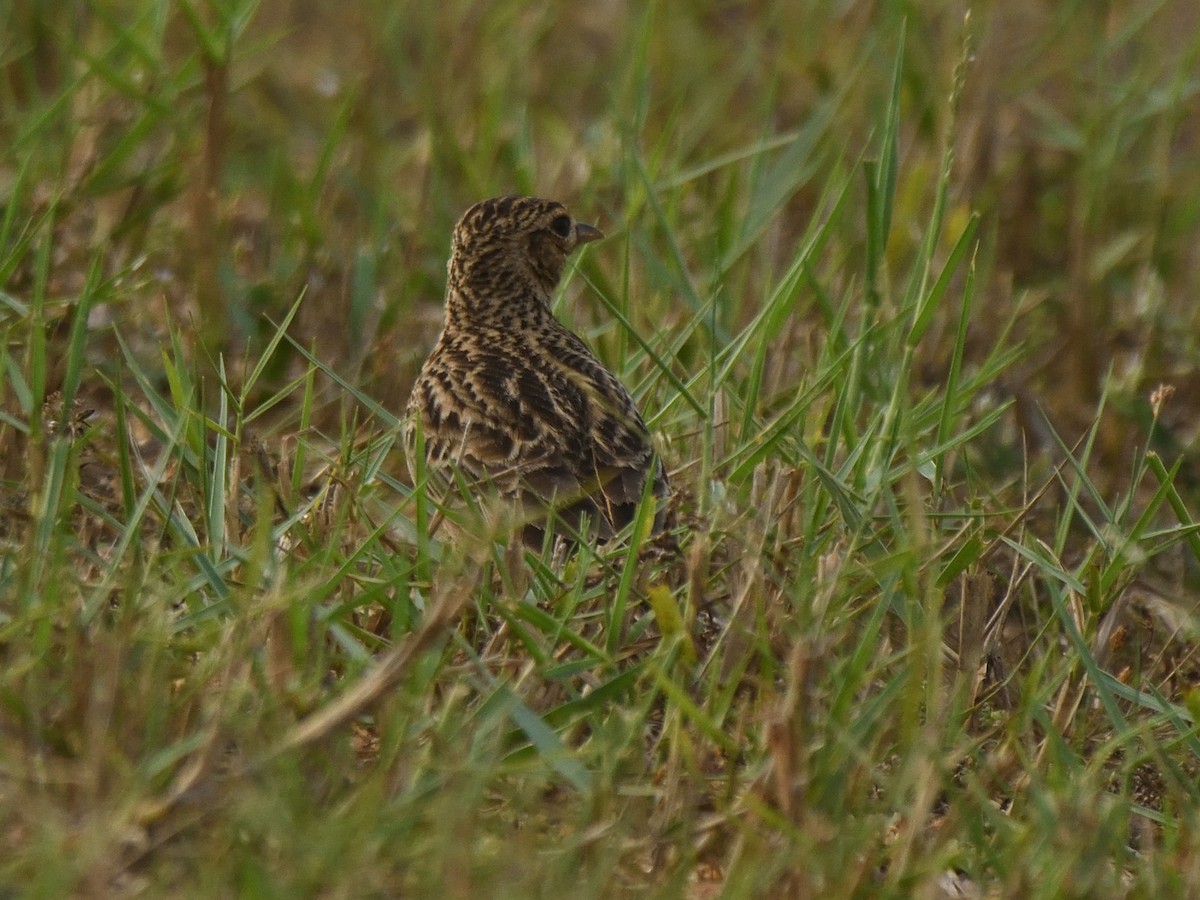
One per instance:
(511,397)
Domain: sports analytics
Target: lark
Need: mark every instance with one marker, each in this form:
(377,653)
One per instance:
(513,400)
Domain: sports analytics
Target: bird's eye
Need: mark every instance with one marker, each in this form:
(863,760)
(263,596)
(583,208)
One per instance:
(561,226)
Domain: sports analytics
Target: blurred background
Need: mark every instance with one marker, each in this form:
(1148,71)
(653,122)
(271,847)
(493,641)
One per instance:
(896,284)
(217,160)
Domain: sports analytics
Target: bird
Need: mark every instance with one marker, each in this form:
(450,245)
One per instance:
(514,401)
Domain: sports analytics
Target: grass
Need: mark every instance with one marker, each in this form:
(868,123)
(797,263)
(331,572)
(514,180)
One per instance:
(896,291)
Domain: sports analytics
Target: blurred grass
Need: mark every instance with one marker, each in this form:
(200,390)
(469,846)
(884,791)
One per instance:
(894,288)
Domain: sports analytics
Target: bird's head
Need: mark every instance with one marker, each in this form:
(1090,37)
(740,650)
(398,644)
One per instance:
(508,247)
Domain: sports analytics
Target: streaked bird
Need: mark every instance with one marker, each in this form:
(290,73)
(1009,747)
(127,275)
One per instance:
(510,397)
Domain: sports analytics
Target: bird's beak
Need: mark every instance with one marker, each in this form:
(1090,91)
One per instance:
(585,234)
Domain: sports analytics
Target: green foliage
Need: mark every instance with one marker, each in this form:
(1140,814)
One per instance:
(894,291)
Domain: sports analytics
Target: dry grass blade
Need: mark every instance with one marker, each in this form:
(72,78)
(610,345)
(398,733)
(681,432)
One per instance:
(902,296)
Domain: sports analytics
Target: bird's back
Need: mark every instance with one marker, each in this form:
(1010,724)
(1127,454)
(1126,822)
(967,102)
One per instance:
(536,415)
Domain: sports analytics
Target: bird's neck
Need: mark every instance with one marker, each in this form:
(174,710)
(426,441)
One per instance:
(495,295)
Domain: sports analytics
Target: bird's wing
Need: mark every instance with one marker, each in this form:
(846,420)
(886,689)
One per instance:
(541,420)
(618,452)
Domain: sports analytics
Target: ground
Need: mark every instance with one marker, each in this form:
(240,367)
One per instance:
(906,295)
